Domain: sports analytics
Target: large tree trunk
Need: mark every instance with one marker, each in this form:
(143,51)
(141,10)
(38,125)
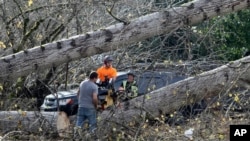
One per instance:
(115,36)
(27,121)
(35,122)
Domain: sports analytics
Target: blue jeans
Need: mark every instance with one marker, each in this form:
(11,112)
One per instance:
(90,115)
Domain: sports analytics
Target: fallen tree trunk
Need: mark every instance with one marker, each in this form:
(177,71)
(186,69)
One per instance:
(113,37)
(35,122)
(27,121)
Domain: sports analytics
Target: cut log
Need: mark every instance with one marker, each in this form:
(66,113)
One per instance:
(113,37)
(63,124)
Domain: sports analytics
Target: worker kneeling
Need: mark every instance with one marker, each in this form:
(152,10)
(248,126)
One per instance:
(128,88)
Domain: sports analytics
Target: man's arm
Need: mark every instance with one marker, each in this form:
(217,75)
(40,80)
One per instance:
(121,87)
(134,89)
(95,100)
(99,73)
(114,74)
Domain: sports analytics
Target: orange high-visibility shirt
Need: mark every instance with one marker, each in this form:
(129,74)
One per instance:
(109,72)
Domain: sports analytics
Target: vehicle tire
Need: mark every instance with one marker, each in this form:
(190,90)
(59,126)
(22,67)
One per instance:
(74,110)
(65,109)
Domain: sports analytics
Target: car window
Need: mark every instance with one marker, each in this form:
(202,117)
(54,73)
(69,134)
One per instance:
(149,81)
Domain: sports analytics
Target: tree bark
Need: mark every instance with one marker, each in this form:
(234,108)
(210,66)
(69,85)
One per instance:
(26,121)
(35,122)
(115,36)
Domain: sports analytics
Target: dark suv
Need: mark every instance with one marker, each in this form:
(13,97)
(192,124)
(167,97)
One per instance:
(147,81)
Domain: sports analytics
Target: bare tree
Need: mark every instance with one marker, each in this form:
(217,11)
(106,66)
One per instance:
(114,36)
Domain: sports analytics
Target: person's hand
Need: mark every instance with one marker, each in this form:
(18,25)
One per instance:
(120,89)
(99,107)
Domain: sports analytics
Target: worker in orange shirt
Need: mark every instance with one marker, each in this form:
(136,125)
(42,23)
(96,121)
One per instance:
(106,72)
